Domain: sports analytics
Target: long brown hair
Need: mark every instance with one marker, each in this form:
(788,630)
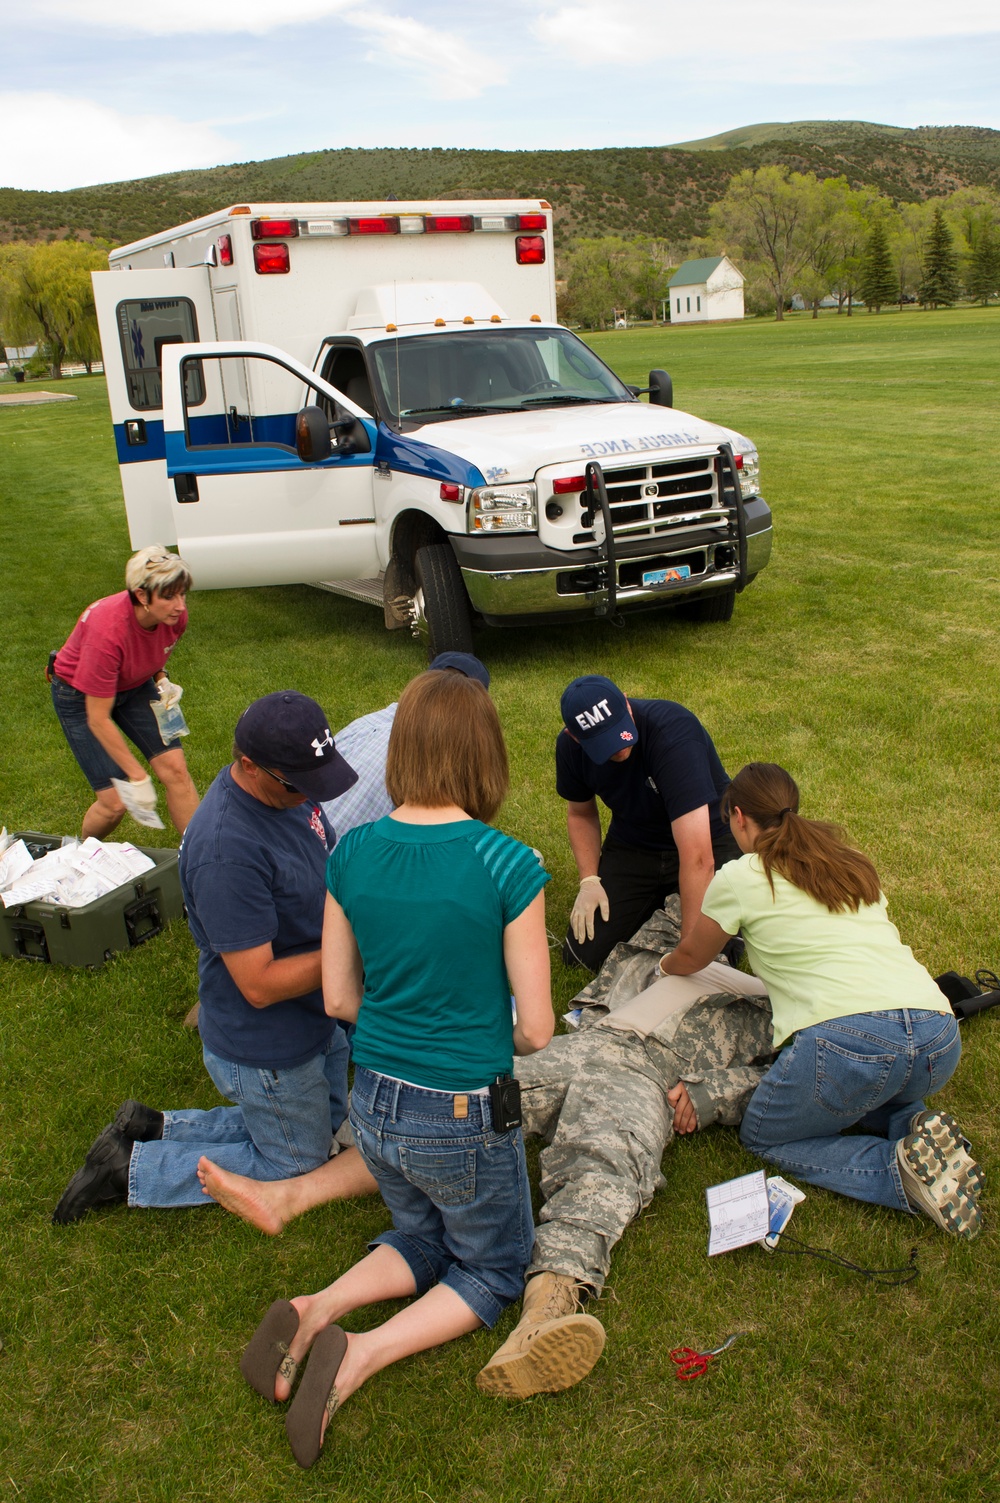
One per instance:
(809,853)
(446,746)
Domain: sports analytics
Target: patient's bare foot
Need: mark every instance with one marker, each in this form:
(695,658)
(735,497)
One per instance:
(255,1200)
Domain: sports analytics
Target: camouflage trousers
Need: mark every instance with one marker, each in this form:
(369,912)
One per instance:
(599,1097)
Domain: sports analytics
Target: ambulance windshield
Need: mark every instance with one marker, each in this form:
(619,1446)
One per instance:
(429,378)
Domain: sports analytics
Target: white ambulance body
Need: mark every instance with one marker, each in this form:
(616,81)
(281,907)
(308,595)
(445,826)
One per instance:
(377,398)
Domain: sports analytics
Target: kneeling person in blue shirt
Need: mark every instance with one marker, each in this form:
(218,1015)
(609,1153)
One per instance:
(252,870)
(653,764)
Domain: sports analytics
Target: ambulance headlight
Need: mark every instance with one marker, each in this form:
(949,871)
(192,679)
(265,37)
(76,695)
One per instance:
(748,464)
(503,508)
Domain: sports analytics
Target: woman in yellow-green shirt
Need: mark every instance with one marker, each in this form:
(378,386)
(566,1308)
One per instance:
(867,1032)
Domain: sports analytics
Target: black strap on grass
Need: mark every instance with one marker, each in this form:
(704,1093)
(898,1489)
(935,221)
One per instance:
(886,1277)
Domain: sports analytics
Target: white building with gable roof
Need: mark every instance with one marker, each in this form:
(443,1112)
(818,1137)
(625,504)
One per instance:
(705,290)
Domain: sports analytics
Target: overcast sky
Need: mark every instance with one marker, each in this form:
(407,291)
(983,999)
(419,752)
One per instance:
(100,90)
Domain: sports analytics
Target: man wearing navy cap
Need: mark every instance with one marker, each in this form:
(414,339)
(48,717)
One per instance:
(252,867)
(653,764)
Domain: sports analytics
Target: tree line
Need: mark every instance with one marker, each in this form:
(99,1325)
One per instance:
(792,233)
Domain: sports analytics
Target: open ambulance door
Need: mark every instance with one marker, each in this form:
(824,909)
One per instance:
(247,508)
(138,314)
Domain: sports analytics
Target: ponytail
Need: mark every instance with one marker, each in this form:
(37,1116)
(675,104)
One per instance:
(809,853)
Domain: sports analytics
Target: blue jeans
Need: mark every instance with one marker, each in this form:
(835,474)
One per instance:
(458,1191)
(283,1125)
(871,1069)
(131,714)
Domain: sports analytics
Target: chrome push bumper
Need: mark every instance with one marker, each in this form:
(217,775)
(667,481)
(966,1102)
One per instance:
(530,580)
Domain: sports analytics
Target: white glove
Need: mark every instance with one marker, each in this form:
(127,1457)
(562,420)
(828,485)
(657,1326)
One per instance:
(590,897)
(140,801)
(170,694)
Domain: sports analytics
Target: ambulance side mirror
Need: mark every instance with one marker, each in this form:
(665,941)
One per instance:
(312,435)
(661,389)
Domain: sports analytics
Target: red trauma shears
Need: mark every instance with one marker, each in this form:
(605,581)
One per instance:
(691,1364)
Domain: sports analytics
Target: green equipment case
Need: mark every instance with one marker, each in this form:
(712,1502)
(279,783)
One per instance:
(89,936)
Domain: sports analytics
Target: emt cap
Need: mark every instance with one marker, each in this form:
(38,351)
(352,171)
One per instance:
(463,662)
(289,733)
(596,713)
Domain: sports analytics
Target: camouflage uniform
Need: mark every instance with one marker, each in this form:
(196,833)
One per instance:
(599,1096)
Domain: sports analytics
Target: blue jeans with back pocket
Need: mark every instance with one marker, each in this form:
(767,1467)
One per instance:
(458,1191)
(871,1069)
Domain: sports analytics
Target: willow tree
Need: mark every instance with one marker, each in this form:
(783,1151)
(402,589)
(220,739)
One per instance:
(46,297)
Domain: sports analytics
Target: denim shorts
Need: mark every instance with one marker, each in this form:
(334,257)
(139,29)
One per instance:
(458,1192)
(131,714)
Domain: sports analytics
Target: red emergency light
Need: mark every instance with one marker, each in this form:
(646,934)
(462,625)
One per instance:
(566,485)
(387,224)
(271,259)
(739,461)
(448,224)
(450,492)
(530,250)
(531,222)
(274,229)
(224,245)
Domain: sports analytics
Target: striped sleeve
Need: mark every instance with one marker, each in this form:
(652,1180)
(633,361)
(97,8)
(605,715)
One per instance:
(514,869)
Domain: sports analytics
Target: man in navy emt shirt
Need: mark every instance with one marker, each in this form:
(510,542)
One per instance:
(252,869)
(653,764)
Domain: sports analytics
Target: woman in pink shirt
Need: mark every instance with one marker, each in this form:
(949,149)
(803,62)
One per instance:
(105,680)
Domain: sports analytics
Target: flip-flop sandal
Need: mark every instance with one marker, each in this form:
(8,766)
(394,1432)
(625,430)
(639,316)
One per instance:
(267,1355)
(316,1396)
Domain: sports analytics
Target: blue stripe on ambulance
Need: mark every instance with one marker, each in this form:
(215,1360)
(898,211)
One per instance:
(410,456)
(209,449)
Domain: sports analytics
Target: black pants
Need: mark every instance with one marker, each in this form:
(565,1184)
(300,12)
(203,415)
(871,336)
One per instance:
(636,881)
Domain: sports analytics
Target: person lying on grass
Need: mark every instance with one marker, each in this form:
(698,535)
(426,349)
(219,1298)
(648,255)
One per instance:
(429,912)
(867,1033)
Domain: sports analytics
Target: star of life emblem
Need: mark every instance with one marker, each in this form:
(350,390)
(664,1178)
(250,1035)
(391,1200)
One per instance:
(496,472)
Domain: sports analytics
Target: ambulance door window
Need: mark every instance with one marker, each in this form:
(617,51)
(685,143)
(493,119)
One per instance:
(262,398)
(144,327)
(233,372)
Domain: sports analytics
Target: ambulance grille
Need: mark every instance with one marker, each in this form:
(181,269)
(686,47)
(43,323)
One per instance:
(647,500)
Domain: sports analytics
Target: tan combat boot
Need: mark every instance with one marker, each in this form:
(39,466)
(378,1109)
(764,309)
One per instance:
(552,1347)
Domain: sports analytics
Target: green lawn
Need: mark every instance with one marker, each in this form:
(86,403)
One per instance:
(866,660)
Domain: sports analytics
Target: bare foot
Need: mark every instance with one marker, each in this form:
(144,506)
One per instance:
(312,1320)
(253,1200)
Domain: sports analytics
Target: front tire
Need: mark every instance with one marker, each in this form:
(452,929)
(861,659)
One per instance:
(442,616)
(714,608)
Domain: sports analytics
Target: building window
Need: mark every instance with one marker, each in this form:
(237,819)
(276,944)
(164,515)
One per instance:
(688,301)
(698,300)
(678,305)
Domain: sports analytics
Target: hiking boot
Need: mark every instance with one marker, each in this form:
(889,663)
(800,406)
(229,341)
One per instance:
(943,1185)
(103,1180)
(552,1346)
(143,1124)
(942,1128)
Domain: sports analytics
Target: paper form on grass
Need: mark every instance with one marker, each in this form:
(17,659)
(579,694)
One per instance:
(738,1212)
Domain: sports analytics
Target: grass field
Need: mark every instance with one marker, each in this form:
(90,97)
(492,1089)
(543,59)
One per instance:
(866,660)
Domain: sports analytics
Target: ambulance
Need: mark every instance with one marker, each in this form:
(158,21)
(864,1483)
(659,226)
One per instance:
(377,398)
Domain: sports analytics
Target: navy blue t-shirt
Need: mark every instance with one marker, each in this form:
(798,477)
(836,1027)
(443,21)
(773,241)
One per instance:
(674,768)
(254,875)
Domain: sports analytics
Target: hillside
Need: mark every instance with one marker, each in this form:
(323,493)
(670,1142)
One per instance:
(661,191)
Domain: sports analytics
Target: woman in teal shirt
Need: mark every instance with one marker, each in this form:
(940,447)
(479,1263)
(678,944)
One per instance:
(433,919)
(871,1033)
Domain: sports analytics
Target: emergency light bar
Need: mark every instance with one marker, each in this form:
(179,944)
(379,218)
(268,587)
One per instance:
(274,229)
(398,224)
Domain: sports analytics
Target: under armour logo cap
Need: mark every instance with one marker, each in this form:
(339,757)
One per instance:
(596,713)
(289,733)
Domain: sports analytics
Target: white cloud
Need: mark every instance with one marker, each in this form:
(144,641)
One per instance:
(177,17)
(457,70)
(67,143)
(598,32)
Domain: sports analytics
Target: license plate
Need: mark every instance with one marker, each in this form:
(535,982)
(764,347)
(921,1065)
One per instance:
(658,577)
